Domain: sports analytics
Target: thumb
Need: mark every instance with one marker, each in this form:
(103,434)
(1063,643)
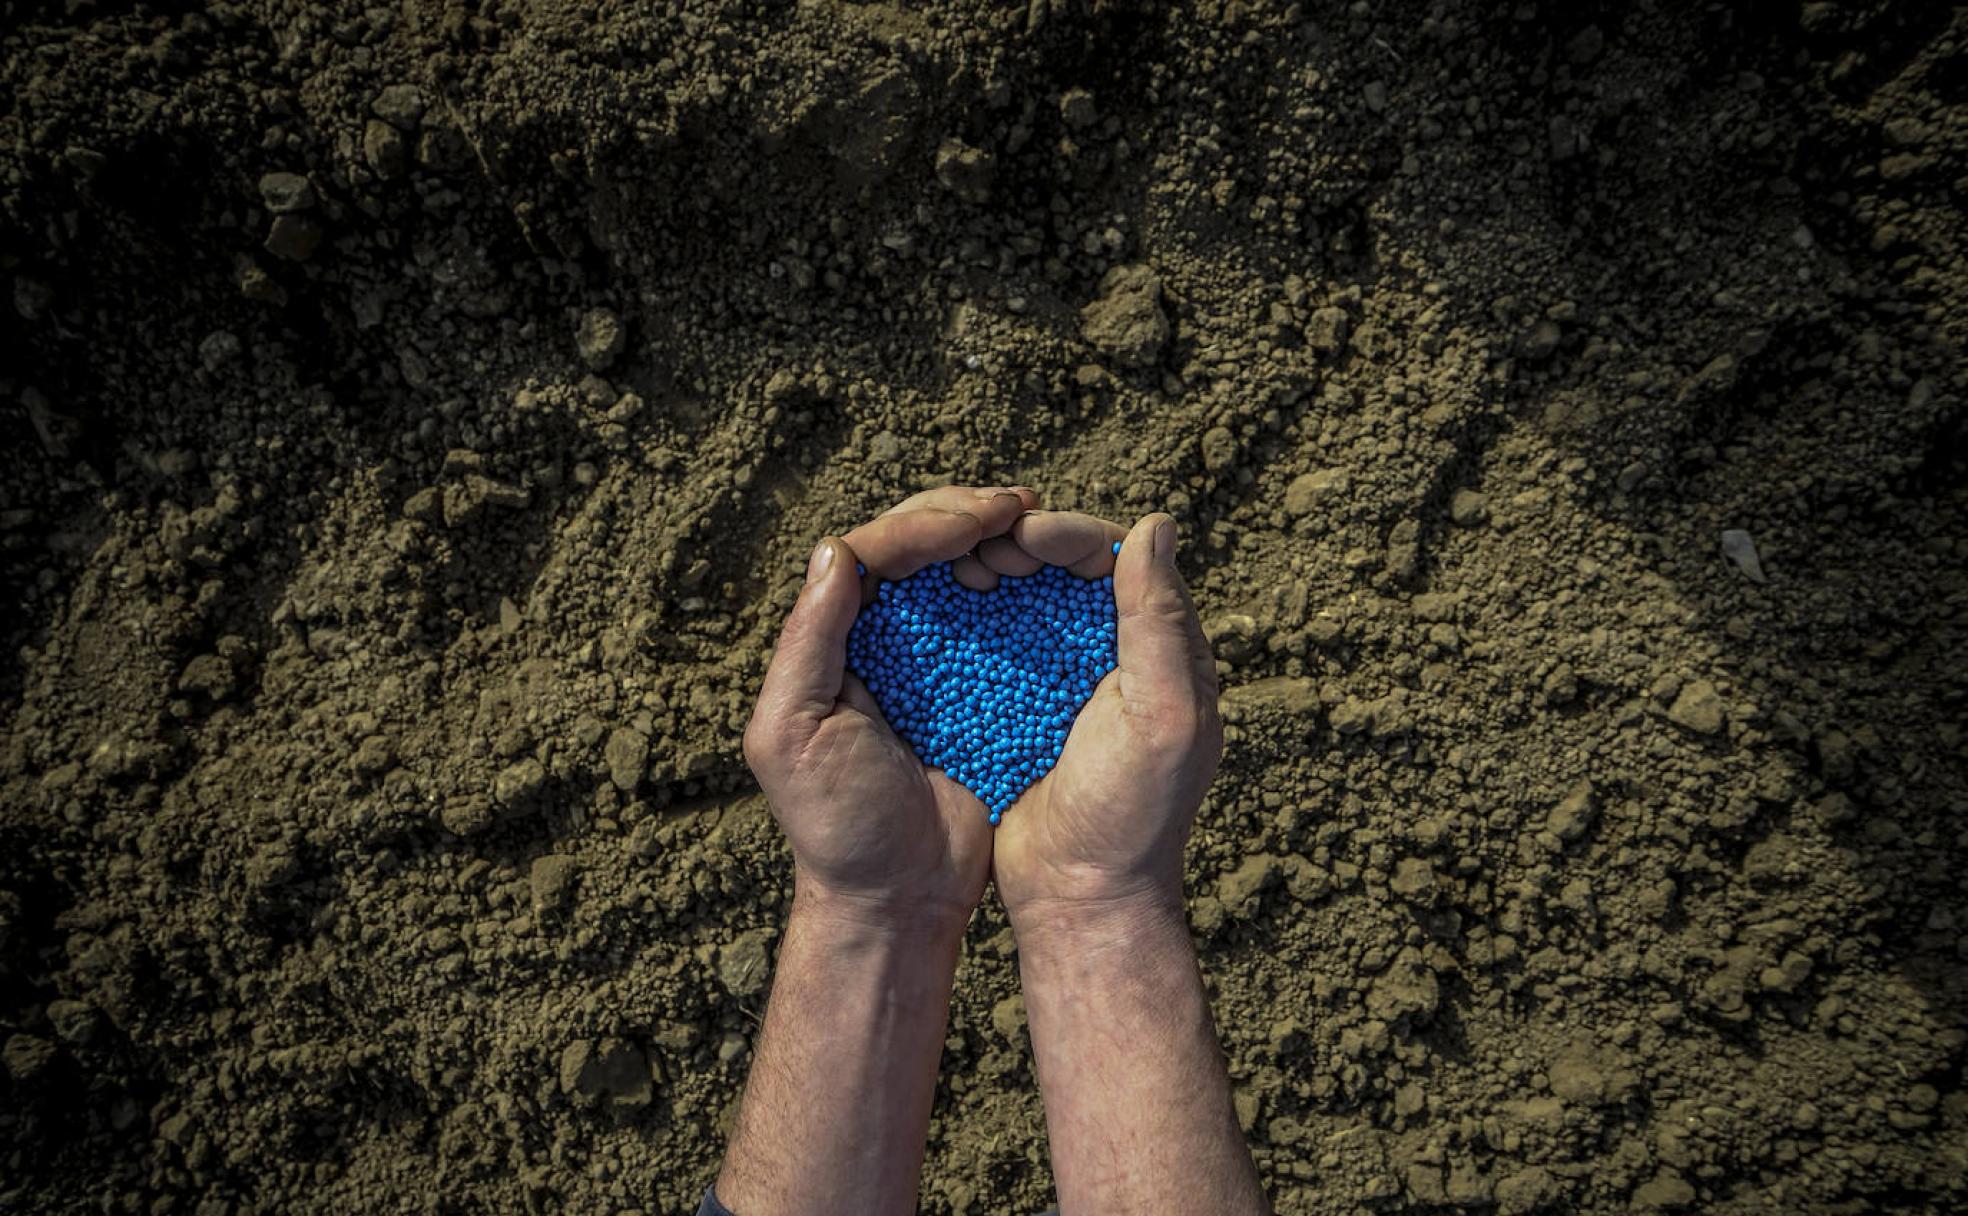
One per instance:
(1162,655)
(805,675)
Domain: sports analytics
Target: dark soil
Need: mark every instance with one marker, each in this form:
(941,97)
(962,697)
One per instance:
(416,419)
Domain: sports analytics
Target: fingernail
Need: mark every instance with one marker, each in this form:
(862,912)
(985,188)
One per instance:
(821,561)
(1163,546)
(1026,490)
(988,495)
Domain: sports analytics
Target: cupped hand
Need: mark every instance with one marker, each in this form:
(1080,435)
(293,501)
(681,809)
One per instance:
(1105,828)
(872,830)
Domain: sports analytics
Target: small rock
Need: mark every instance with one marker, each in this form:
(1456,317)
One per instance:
(1232,635)
(1667,1191)
(1328,330)
(1219,449)
(1698,708)
(1279,694)
(1126,321)
(467,814)
(1573,815)
(1406,989)
(1077,109)
(1540,342)
(373,757)
(256,284)
(1008,1017)
(27,1056)
(1587,1074)
(1309,492)
(293,237)
(1425,1183)
(744,963)
(1413,879)
(384,149)
(75,1021)
(1740,548)
(466,500)
(1374,93)
(1785,977)
(516,783)
(400,105)
(965,171)
(613,1073)
(1351,716)
(1526,1191)
(1468,508)
(208,675)
(552,878)
(1469,1187)
(627,756)
(600,337)
(1238,890)
(285,193)
(426,505)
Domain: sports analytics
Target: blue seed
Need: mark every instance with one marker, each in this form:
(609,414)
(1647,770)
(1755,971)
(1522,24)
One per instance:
(985,685)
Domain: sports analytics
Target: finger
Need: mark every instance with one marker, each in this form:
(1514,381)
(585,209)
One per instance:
(974,574)
(1081,543)
(804,678)
(1002,554)
(963,498)
(896,546)
(1163,656)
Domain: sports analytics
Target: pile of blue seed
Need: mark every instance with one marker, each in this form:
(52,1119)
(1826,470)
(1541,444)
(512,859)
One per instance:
(985,684)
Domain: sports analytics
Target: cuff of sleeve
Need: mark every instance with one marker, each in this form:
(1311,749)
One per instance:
(711,1206)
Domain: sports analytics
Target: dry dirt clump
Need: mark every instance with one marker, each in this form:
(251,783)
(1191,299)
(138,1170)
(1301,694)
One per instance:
(417,416)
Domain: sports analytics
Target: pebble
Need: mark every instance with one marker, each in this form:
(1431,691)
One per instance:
(1310,491)
(1077,109)
(985,684)
(1698,708)
(1573,815)
(1468,508)
(612,1072)
(518,782)
(1126,322)
(1739,547)
(286,192)
(293,238)
(400,105)
(384,148)
(552,878)
(627,756)
(744,964)
(600,337)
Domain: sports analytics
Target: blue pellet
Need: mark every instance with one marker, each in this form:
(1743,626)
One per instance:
(985,684)
(1117,548)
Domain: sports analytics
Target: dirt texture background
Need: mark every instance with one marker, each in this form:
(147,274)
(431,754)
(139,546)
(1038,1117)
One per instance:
(417,417)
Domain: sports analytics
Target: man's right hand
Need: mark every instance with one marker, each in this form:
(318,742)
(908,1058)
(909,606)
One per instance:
(1089,865)
(1102,834)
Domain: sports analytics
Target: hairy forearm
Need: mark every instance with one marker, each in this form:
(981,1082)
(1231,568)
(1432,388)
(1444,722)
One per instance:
(836,1109)
(1137,1098)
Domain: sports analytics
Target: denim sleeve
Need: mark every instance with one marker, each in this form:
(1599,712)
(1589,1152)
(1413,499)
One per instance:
(711,1206)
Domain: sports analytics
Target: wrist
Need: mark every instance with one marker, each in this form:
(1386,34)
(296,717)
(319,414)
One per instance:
(1109,923)
(898,918)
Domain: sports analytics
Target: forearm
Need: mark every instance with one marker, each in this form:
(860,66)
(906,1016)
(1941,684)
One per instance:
(1137,1097)
(836,1109)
